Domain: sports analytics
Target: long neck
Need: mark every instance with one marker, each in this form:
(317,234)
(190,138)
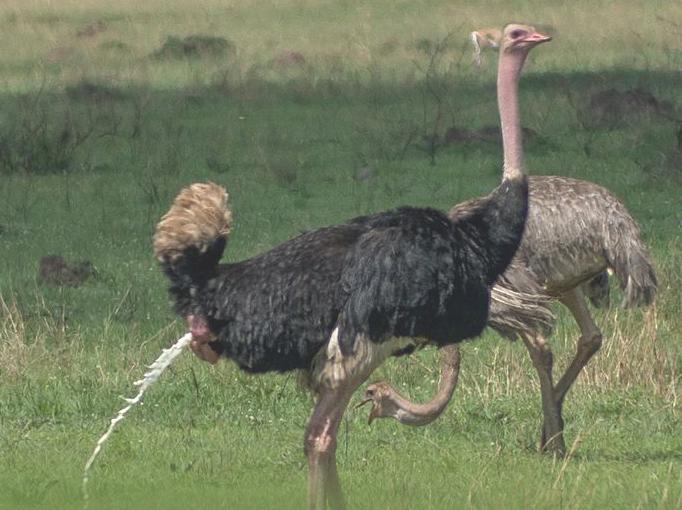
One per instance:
(509,69)
(410,413)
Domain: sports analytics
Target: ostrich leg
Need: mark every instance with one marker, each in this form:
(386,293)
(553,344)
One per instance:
(552,431)
(588,344)
(324,487)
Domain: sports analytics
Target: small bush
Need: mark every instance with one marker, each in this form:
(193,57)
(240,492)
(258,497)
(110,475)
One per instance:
(37,145)
(86,90)
(42,134)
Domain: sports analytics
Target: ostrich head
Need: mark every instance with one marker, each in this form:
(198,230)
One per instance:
(513,38)
(388,403)
(516,37)
(384,399)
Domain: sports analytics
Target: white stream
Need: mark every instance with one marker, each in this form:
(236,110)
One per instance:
(150,377)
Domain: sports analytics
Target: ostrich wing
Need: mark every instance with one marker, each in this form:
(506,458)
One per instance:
(412,275)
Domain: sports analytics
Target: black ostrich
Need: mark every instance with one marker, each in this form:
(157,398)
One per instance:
(337,301)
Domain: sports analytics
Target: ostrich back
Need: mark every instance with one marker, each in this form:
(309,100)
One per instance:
(575,230)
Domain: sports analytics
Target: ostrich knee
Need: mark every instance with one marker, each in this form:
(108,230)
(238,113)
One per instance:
(590,343)
(321,443)
(541,355)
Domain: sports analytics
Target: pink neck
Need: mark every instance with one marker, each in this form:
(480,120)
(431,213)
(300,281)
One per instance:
(509,69)
(410,413)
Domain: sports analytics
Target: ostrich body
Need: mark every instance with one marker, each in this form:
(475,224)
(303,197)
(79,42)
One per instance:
(576,231)
(337,301)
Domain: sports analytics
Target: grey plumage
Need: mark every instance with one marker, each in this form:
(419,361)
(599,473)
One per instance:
(597,290)
(576,231)
(518,304)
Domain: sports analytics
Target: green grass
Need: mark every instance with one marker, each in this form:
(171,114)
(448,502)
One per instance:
(97,137)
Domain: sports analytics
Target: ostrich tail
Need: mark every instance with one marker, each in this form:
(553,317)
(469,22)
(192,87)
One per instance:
(637,277)
(197,224)
(630,260)
(519,305)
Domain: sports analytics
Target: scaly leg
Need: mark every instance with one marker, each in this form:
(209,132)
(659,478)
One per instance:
(541,355)
(324,487)
(589,343)
(334,492)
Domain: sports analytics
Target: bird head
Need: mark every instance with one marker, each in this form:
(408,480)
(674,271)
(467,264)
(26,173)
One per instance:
(516,37)
(487,37)
(383,399)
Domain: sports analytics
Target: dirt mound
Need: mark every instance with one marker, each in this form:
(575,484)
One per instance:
(55,271)
(92,29)
(194,46)
(288,59)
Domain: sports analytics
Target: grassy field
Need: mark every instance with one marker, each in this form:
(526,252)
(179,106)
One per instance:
(311,112)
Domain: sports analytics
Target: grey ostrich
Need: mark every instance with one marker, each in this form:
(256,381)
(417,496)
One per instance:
(576,231)
(335,302)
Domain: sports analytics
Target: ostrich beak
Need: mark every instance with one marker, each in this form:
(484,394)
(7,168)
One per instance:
(374,413)
(362,403)
(537,38)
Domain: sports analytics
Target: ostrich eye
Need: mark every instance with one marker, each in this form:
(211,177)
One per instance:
(517,33)
(369,393)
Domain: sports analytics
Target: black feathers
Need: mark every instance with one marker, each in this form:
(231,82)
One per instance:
(493,225)
(410,276)
(191,272)
(276,310)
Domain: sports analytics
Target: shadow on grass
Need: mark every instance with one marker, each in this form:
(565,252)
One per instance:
(48,132)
